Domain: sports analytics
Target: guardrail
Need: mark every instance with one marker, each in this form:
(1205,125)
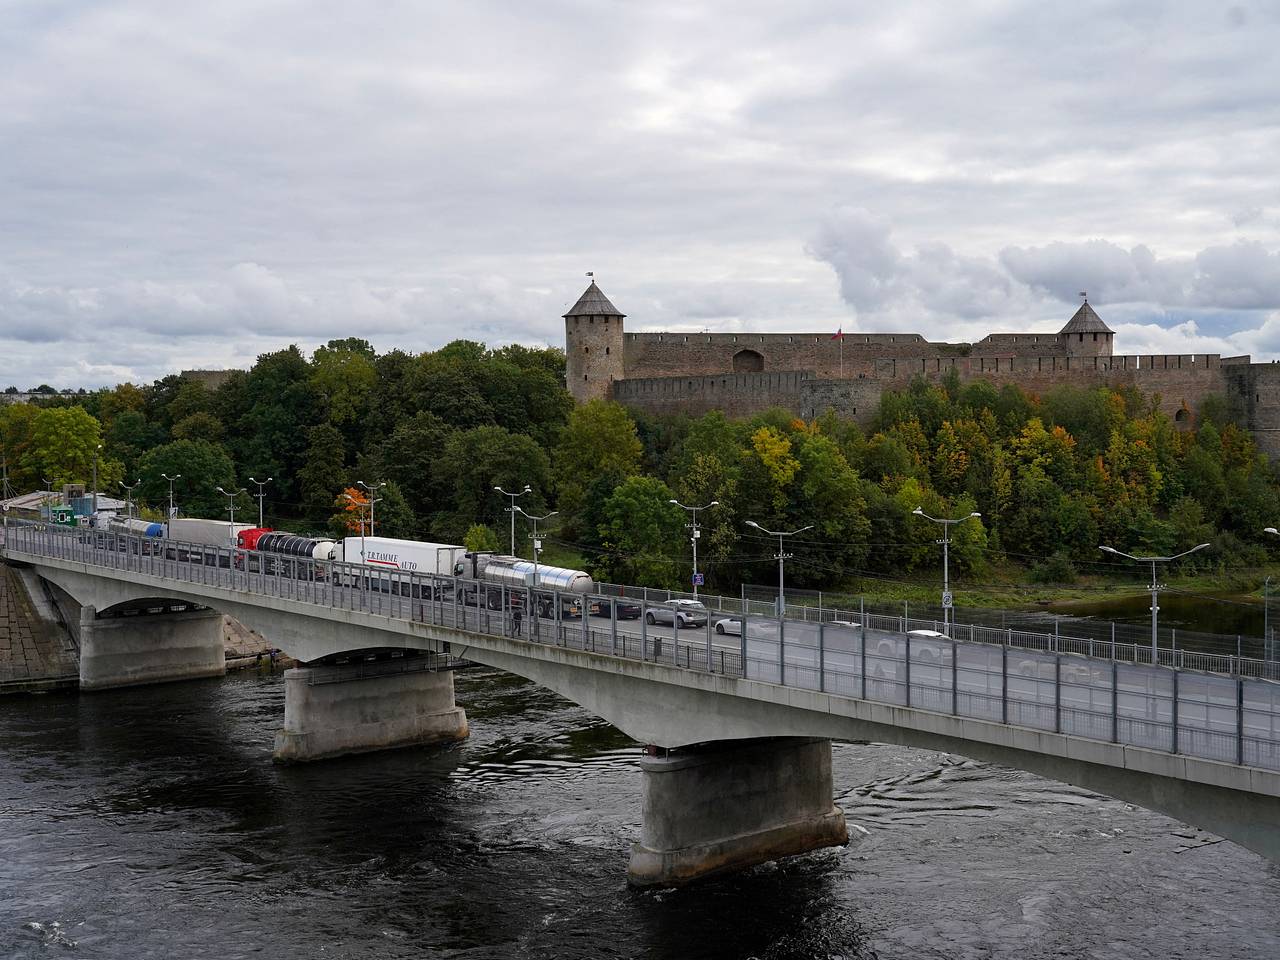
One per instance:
(1067,685)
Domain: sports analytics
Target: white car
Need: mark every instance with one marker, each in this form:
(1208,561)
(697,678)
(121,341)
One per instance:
(934,634)
(689,613)
(731,625)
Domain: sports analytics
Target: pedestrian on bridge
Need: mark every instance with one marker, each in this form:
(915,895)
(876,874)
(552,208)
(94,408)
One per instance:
(517,616)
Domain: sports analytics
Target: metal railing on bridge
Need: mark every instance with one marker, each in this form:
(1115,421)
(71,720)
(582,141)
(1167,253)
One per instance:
(1203,705)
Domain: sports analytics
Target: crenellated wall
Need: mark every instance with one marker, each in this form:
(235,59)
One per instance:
(1181,381)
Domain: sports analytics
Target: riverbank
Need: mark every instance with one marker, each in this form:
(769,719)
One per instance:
(1004,589)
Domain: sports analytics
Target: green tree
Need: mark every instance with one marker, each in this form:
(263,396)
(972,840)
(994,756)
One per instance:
(481,539)
(599,438)
(324,472)
(640,534)
(477,460)
(204,467)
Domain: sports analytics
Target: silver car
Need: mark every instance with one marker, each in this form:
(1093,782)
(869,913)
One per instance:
(690,613)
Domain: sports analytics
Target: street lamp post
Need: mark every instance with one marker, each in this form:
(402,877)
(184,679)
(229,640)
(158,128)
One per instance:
(696,534)
(176,476)
(261,495)
(1155,585)
(781,556)
(48,497)
(537,549)
(1268,653)
(372,500)
(946,559)
(128,497)
(361,504)
(231,505)
(512,510)
(95,482)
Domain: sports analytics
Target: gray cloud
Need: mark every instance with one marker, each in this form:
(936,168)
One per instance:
(239,175)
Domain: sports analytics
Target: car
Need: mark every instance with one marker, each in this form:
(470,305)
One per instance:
(934,634)
(731,625)
(627,609)
(689,613)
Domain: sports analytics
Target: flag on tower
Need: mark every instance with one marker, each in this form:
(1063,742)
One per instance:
(838,335)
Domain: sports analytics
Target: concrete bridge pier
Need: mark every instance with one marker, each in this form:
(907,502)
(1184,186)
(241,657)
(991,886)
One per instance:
(141,646)
(334,710)
(723,806)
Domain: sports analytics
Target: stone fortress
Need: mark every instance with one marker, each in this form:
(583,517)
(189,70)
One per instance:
(809,373)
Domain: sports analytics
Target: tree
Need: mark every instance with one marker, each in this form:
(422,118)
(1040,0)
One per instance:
(324,470)
(599,438)
(473,463)
(481,539)
(640,534)
(61,446)
(199,426)
(204,467)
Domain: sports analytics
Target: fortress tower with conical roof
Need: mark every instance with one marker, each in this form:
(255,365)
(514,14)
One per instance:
(593,345)
(1085,335)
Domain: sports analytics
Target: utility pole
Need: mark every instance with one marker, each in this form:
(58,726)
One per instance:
(512,510)
(128,497)
(696,534)
(781,556)
(946,560)
(372,500)
(1155,585)
(176,476)
(261,495)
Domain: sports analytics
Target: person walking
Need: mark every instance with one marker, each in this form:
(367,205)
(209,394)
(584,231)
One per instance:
(517,616)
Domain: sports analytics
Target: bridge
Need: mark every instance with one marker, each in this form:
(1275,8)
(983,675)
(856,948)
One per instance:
(738,726)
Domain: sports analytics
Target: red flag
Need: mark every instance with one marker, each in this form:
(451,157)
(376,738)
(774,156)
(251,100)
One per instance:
(838,335)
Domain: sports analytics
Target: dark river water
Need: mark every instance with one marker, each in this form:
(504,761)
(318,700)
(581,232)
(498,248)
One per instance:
(152,823)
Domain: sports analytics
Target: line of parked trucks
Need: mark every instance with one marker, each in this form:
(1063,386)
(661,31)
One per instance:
(262,550)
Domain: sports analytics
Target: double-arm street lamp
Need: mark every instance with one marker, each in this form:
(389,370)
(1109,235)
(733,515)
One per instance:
(231,505)
(373,532)
(128,497)
(512,510)
(360,504)
(946,557)
(1155,585)
(176,476)
(537,549)
(261,494)
(781,556)
(696,533)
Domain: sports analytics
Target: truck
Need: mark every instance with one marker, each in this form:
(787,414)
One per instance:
(495,571)
(215,533)
(387,555)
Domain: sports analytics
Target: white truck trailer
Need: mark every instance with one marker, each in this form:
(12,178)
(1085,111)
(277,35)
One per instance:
(214,533)
(404,556)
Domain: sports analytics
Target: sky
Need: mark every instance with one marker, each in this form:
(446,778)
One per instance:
(191,185)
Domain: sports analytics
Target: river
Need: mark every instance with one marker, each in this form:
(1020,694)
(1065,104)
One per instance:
(151,823)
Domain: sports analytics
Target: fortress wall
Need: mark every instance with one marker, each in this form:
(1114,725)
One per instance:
(704,354)
(737,394)
(1256,386)
(1019,345)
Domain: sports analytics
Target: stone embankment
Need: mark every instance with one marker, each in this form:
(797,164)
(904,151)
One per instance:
(36,650)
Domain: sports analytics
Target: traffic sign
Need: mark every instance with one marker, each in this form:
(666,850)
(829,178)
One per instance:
(698,580)
(946,599)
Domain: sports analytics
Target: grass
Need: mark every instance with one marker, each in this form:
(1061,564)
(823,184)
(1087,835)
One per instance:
(1014,592)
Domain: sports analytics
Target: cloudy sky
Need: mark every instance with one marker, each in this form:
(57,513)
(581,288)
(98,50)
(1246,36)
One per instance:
(189,185)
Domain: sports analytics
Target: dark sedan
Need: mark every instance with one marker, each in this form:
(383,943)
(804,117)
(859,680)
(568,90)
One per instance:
(627,609)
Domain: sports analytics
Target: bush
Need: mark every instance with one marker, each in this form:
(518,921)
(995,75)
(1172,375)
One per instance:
(1057,569)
